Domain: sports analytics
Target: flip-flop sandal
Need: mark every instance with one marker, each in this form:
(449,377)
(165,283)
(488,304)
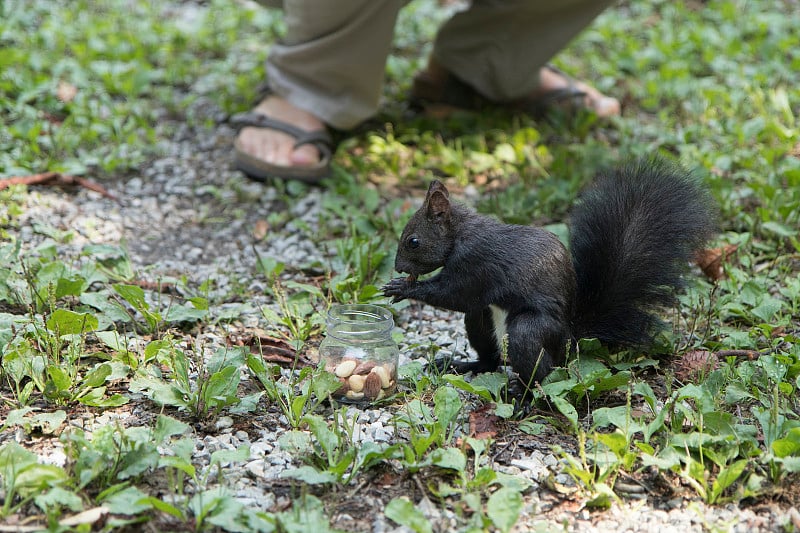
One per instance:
(568,98)
(261,170)
(446,89)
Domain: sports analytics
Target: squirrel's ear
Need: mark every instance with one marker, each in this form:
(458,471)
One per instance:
(437,202)
(435,186)
(438,206)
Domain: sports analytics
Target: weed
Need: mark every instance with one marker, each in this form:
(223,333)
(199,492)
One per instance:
(212,388)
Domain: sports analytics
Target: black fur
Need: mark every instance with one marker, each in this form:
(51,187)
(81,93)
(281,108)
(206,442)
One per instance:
(633,233)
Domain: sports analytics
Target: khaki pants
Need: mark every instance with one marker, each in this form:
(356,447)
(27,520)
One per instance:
(332,59)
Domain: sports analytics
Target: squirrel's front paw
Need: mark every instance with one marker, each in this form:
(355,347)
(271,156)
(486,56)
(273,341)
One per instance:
(396,288)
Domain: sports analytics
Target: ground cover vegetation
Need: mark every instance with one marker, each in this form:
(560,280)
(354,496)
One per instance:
(95,89)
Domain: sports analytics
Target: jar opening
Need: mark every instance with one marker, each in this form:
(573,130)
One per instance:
(357,320)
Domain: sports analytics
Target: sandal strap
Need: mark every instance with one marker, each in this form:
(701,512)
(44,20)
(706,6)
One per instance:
(570,91)
(321,139)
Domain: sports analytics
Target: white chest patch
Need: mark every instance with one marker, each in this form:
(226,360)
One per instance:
(499,321)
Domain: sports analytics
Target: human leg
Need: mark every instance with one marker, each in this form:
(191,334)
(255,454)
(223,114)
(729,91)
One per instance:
(333,58)
(500,50)
(327,70)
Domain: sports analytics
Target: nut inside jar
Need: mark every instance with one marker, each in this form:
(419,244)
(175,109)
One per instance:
(363,380)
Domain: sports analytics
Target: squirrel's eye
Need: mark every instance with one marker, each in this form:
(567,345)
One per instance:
(413,242)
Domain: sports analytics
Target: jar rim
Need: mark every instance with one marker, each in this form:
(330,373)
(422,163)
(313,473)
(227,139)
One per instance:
(354,315)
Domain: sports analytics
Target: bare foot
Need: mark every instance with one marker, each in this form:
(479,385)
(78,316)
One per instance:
(277,147)
(602,105)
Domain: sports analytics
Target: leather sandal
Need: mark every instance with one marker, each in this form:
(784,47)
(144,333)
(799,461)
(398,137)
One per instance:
(436,86)
(261,170)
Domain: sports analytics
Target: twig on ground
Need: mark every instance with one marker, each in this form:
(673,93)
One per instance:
(58,179)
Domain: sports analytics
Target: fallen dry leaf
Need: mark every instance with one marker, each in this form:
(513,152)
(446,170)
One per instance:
(66,91)
(260,229)
(711,260)
(483,423)
(272,350)
(89,516)
(695,364)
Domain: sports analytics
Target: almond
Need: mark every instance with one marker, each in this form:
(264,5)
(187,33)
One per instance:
(364,368)
(344,388)
(352,395)
(383,374)
(345,368)
(372,385)
(356,382)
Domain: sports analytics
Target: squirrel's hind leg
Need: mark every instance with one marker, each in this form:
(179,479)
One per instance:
(481,334)
(536,343)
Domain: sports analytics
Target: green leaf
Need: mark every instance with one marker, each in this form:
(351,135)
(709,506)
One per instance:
(494,382)
(504,507)
(618,417)
(185,313)
(247,404)
(110,310)
(113,260)
(616,442)
(788,445)
(59,378)
(515,483)
(781,230)
(307,514)
(532,428)
(727,477)
(97,376)
(451,458)
(226,357)
(310,475)
(405,513)
(132,294)
(159,391)
(326,438)
(15,417)
(162,506)
(462,384)
(325,384)
(790,464)
(113,340)
(221,387)
(767,310)
(295,442)
(566,409)
(128,501)
(65,322)
(57,498)
(47,422)
(447,406)
(226,457)
(35,478)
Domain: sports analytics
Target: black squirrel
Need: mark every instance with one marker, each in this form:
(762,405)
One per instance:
(633,232)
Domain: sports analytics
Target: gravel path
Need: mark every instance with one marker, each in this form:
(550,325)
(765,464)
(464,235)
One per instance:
(189,214)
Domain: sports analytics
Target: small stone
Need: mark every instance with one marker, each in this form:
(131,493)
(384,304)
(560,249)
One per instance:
(256,469)
(550,460)
(223,422)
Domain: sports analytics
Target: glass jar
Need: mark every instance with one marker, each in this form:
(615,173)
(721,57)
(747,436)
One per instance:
(358,348)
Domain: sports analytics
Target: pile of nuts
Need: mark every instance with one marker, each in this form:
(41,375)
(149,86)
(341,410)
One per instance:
(363,380)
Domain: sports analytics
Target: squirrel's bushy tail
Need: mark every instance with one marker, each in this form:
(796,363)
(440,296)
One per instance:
(633,234)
